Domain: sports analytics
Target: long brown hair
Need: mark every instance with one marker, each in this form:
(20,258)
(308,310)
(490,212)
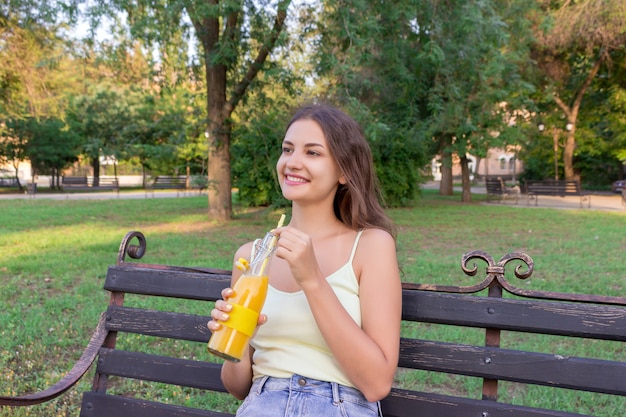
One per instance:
(358,202)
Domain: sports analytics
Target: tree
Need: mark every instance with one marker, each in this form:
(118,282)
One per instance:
(574,42)
(477,80)
(46,142)
(52,147)
(437,80)
(367,61)
(236,39)
(13,140)
(31,55)
(98,119)
(157,131)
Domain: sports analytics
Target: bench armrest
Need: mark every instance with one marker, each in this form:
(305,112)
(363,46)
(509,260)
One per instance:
(70,379)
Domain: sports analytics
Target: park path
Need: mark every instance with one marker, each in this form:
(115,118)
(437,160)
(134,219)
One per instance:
(98,195)
(599,201)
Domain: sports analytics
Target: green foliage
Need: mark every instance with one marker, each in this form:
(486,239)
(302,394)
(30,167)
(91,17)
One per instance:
(51,147)
(98,119)
(442,79)
(538,157)
(47,143)
(257,139)
(398,155)
(156,132)
(476,80)
(371,61)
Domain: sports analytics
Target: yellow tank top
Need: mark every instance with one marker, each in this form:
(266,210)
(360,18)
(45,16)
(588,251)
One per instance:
(291,343)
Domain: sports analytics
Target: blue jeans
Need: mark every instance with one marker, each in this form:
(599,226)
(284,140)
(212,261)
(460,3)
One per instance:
(305,397)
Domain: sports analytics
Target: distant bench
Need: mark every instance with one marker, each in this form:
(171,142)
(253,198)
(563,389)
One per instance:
(499,348)
(168,182)
(8,182)
(557,188)
(497,189)
(70,184)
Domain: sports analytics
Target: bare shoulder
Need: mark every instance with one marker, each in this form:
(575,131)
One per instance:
(376,255)
(376,239)
(244,251)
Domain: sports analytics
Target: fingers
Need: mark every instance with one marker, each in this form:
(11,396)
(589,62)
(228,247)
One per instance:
(218,315)
(292,242)
(221,310)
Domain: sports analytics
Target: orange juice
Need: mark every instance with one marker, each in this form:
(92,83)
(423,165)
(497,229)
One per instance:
(249,292)
(231,340)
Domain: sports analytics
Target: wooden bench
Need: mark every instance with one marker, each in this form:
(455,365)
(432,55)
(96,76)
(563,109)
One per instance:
(168,182)
(71,184)
(558,188)
(8,182)
(134,345)
(497,190)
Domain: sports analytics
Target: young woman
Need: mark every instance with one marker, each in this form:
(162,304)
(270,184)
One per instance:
(328,339)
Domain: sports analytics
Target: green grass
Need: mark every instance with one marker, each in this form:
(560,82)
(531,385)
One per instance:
(54,255)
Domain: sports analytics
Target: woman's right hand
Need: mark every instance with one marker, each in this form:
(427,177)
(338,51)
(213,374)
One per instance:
(222,309)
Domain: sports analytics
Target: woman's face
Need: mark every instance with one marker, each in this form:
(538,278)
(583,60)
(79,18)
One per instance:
(307,171)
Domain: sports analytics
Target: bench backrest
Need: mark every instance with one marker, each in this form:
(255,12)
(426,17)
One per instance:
(554,186)
(85,182)
(124,366)
(170,179)
(8,182)
(75,181)
(494,185)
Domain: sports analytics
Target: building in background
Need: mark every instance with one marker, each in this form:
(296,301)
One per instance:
(499,163)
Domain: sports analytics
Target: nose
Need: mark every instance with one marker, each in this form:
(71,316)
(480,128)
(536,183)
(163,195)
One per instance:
(293,160)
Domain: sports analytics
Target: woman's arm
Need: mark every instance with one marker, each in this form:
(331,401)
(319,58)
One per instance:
(368,354)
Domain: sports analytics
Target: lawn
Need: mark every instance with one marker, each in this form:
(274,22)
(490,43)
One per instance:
(54,255)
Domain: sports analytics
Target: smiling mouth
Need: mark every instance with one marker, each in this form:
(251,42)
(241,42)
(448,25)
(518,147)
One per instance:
(295,179)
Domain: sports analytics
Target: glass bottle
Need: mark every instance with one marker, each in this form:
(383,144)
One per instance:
(249,292)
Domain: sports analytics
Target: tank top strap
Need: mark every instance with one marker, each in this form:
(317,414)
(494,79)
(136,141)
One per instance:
(356,243)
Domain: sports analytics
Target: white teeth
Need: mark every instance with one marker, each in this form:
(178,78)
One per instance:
(294,179)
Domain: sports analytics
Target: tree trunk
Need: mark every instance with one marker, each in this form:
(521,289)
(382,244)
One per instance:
(95,164)
(466,195)
(219,188)
(571,112)
(219,109)
(568,154)
(445,186)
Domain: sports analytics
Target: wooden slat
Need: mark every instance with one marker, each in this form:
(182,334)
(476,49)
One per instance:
(158,323)
(174,371)
(402,403)
(592,375)
(100,405)
(547,317)
(189,284)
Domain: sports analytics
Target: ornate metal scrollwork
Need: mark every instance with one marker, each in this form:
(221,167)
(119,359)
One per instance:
(495,278)
(133,251)
(496,270)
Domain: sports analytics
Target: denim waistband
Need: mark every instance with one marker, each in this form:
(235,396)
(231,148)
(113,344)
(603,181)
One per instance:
(300,383)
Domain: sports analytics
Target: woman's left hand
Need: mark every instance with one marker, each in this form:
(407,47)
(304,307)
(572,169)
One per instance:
(296,248)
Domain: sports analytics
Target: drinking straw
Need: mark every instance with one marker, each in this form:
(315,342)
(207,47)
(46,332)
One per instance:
(271,245)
